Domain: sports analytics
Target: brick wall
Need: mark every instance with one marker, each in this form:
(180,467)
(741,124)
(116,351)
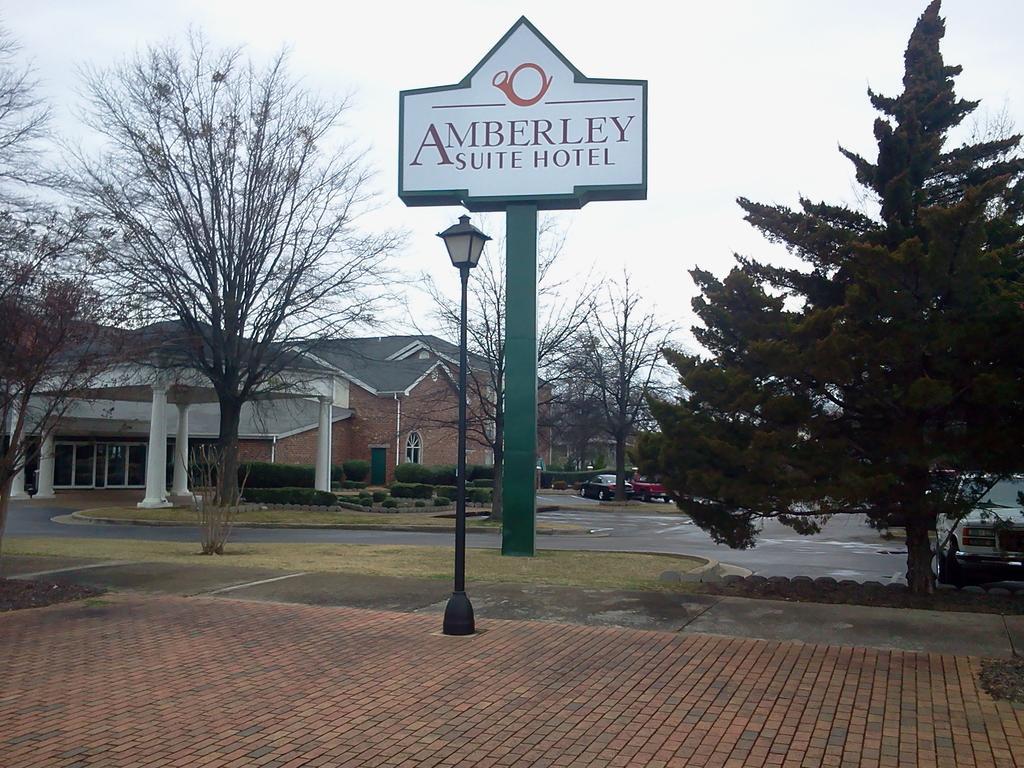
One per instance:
(254,450)
(430,409)
(301,448)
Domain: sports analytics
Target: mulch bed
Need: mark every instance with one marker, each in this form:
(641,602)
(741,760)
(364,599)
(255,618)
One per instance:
(16,594)
(1004,679)
(828,590)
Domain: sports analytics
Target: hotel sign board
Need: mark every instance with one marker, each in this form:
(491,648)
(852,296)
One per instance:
(523,126)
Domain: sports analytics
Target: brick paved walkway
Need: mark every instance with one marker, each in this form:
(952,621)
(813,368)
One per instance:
(173,682)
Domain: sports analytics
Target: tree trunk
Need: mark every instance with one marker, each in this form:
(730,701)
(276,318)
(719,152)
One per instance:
(5,497)
(620,469)
(227,444)
(920,578)
(496,509)
(498,449)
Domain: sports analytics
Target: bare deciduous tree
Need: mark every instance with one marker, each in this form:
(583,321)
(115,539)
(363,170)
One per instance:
(618,360)
(214,513)
(562,308)
(231,200)
(52,344)
(24,124)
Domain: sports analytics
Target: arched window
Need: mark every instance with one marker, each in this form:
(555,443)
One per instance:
(413,448)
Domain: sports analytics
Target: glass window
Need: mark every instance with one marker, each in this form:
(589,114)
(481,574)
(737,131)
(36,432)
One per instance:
(137,464)
(116,463)
(413,448)
(84,464)
(63,463)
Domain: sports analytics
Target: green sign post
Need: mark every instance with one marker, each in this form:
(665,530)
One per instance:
(518,495)
(524,131)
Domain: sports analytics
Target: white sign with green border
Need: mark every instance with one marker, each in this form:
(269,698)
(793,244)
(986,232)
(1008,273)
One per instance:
(524,125)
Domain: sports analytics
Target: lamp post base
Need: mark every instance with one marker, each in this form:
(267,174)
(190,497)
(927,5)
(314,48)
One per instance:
(458,616)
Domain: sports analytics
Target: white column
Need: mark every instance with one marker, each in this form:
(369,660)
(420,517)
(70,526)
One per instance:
(18,486)
(156,453)
(323,446)
(179,486)
(18,481)
(45,489)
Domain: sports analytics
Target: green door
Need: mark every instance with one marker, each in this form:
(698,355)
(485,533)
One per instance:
(378,466)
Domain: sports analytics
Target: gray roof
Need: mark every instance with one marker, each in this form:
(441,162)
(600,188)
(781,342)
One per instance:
(172,341)
(366,359)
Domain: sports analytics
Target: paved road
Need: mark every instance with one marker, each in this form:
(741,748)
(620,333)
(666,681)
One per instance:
(846,549)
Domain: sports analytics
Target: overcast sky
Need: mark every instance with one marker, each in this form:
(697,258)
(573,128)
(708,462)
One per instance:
(746,98)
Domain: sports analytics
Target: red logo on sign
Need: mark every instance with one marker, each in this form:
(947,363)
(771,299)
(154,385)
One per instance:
(505,83)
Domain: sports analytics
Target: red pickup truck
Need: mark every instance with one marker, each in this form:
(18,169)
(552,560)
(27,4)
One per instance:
(647,489)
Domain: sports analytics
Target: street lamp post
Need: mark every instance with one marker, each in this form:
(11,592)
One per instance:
(465,244)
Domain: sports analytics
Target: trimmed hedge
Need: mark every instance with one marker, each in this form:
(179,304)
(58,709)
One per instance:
(479,495)
(547,478)
(390,504)
(356,469)
(420,503)
(413,473)
(264,474)
(379,495)
(444,474)
(449,491)
(366,501)
(440,474)
(290,496)
(442,501)
(352,484)
(483,483)
(480,472)
(412,491)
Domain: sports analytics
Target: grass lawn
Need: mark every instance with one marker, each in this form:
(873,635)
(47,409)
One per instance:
(581,569)
(324,516)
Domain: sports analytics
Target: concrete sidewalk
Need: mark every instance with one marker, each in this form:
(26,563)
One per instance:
(973,634)
(134,680)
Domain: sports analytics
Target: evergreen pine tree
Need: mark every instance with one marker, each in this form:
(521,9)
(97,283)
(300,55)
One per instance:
(884,376)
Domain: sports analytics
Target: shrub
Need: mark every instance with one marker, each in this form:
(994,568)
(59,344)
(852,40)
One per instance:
(413,473)
(480,472)
(390,504)
(379,495)
(356,469)
(480,495)
(366,501)
(412,491)
(483,482)
(449,491)
(350,484)
(442,474)
(351,498)
(547,478)
(559,485)
(290,496)
(420,503)
(442,501)
(263,474)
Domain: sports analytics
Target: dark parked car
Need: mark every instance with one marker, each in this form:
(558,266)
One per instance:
(602,487)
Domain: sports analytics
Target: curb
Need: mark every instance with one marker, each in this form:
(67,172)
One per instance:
(83,518)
